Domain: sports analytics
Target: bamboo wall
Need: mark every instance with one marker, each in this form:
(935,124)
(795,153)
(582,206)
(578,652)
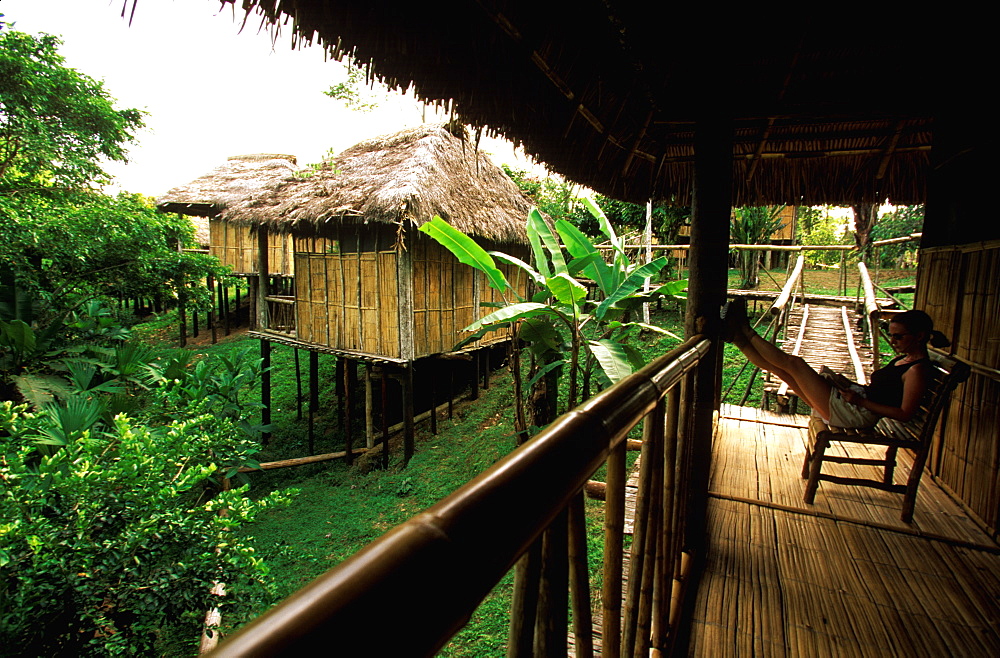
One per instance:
(236,246)
(355,285)
(447,296)
(960,288)
(347,290)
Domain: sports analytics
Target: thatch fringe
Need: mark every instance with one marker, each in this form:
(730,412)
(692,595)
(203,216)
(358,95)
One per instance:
(241,176)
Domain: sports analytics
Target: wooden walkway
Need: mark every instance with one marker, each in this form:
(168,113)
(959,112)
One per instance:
(843,577)
(824,336)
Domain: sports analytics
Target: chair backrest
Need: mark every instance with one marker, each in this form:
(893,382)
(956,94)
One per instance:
(947,372)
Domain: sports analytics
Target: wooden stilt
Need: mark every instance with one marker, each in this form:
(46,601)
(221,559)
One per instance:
(212,315)
(451,391)
(408,428)
(313,397)
(369,421)
(434,416)
(384,389)
(225,302)
(486,369)
(181,318)
(475,376)
(265,389)
(350,389)
(338,378)
(194,323)
(298,385)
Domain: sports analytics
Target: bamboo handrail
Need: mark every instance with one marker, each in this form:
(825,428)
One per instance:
(786,291)
(872,312)
(453,554)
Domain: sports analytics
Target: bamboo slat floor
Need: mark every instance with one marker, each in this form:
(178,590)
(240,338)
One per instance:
(843,577)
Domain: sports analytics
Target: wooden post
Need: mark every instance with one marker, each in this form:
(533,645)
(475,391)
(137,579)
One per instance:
(486,368)
(212,316)
(225,301)
(265,388)
(298,385)
(181,316)
(408,430)
(369,422)
(713,169)
(451,391)
(262,278)
(475,376)
(434,416)
(194,323)
(385,419)
(350,381)
(313,396)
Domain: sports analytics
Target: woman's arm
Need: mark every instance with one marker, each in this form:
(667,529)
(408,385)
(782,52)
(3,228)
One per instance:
(914,385)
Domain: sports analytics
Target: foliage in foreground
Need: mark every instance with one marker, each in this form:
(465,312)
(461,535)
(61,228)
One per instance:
(105,542)
(113,526)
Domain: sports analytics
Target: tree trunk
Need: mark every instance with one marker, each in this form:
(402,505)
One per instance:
(865,218)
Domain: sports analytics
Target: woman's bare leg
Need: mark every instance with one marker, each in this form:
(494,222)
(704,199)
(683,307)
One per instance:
(793,370)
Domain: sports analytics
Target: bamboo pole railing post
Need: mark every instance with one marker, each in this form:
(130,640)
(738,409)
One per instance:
(664,557)
(637,556)
(651,544)
(614,527)
(551,615)
(524,602)
(579,584)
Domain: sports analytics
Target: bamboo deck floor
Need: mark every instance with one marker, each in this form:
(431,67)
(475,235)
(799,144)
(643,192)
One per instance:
(843,577)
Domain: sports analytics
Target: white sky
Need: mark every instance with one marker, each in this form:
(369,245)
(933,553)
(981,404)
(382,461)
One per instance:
(210,91)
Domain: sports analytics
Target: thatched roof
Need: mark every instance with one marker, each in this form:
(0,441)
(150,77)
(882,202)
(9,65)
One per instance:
(404,178)
(830,104)
(239,177)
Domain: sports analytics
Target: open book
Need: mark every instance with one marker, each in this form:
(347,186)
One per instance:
(841,382)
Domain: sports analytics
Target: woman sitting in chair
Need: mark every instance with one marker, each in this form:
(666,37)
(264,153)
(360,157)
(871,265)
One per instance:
(894,392)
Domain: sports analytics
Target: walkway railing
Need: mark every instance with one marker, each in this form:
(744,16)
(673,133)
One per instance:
(872,313)
(408,592)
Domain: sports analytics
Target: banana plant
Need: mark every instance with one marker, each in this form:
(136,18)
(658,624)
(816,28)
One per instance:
(557,319)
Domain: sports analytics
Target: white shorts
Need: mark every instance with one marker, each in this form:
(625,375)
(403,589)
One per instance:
(845,414)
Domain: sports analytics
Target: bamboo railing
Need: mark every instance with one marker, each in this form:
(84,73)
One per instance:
(872,314)
(409,591)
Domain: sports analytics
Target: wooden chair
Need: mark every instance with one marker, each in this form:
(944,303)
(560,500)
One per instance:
(914,435)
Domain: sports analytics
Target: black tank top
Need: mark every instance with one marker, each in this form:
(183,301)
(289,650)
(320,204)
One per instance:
(886,385)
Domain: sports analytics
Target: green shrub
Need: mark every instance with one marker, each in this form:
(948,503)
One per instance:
(106,541)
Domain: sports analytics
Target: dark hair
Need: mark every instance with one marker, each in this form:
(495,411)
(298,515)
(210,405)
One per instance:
(918,321)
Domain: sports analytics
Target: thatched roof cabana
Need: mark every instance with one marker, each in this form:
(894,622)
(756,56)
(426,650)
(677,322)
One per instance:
(240,177)
(403,179)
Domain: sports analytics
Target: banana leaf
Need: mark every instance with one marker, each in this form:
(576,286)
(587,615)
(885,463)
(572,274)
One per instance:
(466,251)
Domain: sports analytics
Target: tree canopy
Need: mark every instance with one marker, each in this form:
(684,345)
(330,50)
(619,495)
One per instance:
(56,124)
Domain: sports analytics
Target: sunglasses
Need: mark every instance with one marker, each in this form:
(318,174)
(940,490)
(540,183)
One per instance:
(899,336)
